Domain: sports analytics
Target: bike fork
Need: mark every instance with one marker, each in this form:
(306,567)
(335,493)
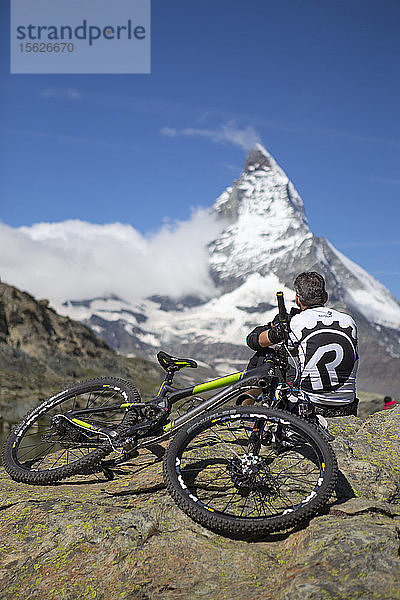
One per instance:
(255,437)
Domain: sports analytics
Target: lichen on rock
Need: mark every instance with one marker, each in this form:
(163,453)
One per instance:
(126,539)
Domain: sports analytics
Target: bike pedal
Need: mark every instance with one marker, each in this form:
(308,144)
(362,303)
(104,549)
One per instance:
(322,425)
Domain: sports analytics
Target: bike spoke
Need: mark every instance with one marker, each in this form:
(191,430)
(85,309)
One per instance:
(59,445)
(260,485)
(21,456)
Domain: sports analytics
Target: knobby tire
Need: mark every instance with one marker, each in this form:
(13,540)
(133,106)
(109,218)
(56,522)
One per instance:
(36,453)
(246,484)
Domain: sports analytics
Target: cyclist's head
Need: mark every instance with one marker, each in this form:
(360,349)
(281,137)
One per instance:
(310,289)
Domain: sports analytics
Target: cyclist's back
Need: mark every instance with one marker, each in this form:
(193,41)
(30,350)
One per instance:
(326,342)
(327,351)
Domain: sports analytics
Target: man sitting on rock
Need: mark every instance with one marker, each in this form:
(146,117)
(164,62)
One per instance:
(326,342)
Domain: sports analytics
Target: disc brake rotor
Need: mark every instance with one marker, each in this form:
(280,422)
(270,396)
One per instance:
(251,473)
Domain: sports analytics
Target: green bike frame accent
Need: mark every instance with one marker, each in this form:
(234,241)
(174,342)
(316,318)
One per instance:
(86,425)
(175,395)
(217,383)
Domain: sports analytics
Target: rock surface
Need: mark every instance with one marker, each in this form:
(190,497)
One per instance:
(125,539)
(42,352)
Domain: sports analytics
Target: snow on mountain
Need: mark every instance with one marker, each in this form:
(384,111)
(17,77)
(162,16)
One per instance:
(265,242)
(110,308)
(267,222)
(269,233)
(370,296)
(226,318)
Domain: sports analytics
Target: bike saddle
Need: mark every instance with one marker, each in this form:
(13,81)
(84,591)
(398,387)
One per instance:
(171,363)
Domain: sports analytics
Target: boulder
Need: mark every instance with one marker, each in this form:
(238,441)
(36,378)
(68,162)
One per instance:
(125,539)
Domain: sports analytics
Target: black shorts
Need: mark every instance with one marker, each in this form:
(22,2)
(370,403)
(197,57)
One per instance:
(348,408)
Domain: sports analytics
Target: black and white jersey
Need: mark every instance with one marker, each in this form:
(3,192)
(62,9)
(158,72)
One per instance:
(327,349)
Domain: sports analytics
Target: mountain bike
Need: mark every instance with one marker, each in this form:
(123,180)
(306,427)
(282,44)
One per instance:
(242,470)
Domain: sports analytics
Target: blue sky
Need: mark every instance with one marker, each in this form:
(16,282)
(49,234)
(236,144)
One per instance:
(316,82)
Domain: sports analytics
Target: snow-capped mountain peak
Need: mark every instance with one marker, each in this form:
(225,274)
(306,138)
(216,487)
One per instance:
(259,159)
(267,222)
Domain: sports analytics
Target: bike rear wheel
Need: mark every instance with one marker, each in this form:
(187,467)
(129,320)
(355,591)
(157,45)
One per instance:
(45,447)
(250,471)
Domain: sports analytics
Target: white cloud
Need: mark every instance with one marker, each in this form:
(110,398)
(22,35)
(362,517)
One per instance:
(370,243)
(169,132)
(245,137)
(75,259)
(356,137)
(67,138)
(384,180)
(63,93)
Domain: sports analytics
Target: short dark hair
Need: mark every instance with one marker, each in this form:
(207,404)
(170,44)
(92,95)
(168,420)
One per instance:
(310,288)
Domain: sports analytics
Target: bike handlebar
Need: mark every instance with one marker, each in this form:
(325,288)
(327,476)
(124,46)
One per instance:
(283,316)
(281,307)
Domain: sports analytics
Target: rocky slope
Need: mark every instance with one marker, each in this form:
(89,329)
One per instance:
(125,539)
(41,351)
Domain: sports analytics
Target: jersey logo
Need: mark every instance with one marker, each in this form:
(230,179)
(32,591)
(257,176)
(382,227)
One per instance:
(330,356)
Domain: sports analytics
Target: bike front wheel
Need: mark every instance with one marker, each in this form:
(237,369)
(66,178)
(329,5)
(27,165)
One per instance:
(250,471)
(46,446)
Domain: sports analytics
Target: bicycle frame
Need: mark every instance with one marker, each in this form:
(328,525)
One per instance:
(168,395)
